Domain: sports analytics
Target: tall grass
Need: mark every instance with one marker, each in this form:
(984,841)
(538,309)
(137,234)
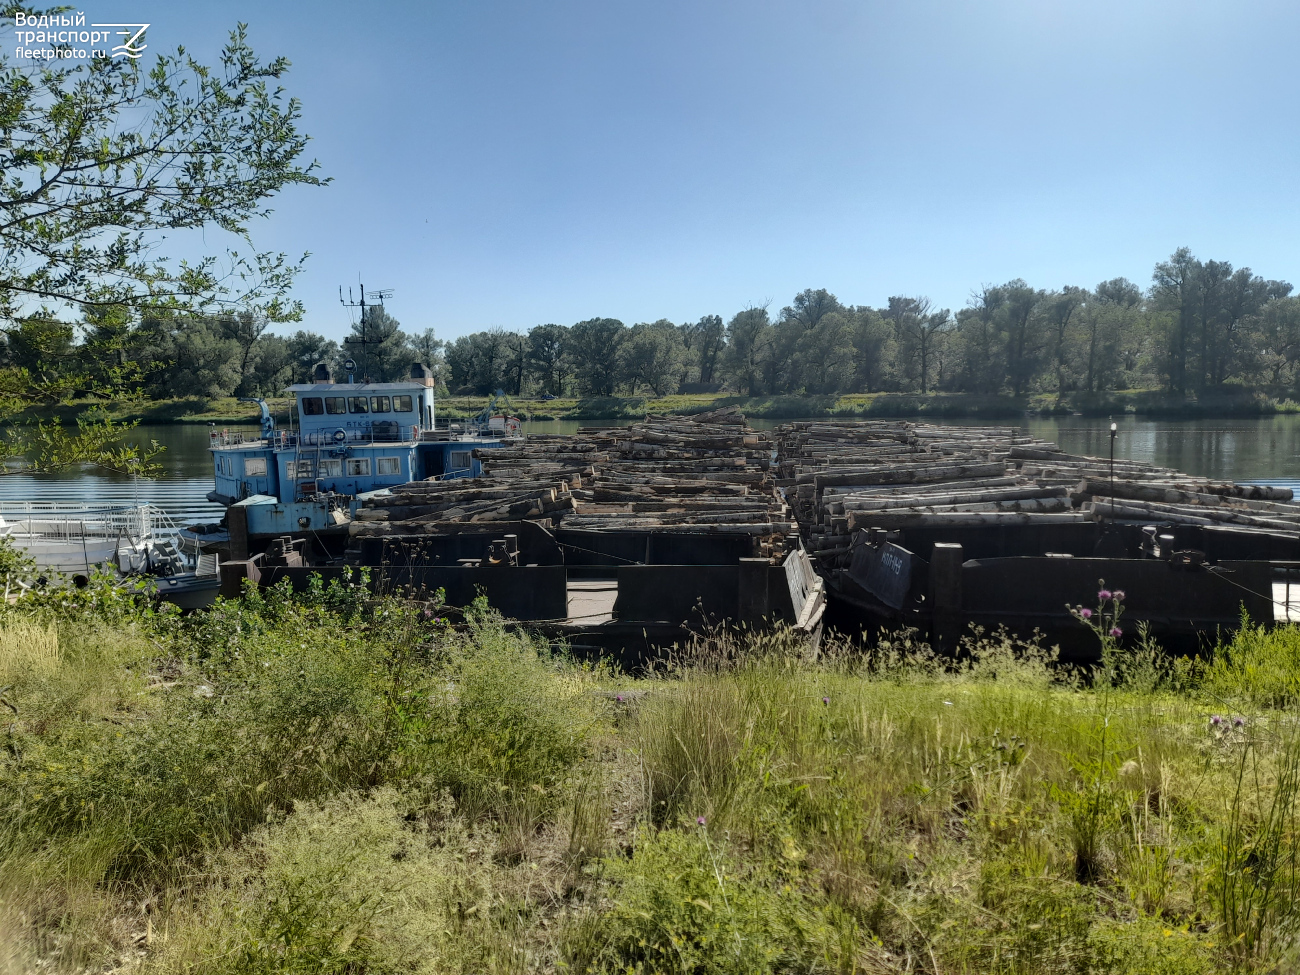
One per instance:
(326,782)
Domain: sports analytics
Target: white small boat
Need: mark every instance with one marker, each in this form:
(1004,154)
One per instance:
(73,538)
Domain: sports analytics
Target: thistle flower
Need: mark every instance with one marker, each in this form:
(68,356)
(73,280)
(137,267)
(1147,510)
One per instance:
(1118,595)
(1104,594)
(1116,632)
(701,821)
(1215,720)
(1086,613)
(826,700)
(1238,722)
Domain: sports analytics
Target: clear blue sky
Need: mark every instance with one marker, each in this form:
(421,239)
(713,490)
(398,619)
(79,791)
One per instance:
(512,163)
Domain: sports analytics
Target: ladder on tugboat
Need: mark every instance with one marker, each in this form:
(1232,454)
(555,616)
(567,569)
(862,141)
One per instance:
(303,486)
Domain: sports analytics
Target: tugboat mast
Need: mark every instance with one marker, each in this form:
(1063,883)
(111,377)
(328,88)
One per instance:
(363,339)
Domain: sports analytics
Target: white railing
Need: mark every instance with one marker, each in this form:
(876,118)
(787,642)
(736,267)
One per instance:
(225,438)
(71,519)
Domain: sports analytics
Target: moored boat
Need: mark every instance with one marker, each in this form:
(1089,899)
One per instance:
(346,442)
(70,537)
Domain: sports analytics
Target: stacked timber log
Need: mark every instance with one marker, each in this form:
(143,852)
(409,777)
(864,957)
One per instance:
(420,504)
(704,473)
(847,475)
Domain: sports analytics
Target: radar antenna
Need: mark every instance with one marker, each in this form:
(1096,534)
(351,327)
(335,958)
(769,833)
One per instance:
(364,339)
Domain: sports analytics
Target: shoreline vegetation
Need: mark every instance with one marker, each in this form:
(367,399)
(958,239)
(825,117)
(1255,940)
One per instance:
(333,782)
(1238,402)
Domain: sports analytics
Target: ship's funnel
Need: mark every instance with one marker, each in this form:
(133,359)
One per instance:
(321,374)
(421,373)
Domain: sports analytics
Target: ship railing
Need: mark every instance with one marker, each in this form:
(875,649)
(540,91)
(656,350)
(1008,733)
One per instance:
(231,438)
(352,436)
(70,519)
(364,436)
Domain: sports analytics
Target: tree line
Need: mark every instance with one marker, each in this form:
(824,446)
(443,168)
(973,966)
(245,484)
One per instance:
(1198,326)
(167,355)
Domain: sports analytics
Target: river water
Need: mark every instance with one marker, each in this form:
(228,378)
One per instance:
(1241,449)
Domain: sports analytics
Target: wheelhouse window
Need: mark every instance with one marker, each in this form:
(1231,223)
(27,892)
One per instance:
(402,404)
(459,460)
(331,468)
(388,465)
(334,405)
(255,467)
(357,404)
(312,406)
(380,404)
(358,467)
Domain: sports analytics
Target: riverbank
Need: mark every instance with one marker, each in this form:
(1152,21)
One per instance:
(1149,403)
(328,783)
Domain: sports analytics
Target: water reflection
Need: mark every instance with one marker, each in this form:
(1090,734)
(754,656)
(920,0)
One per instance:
(1242,449)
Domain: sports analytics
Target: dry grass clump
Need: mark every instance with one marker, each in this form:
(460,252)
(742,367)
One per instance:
(28,650)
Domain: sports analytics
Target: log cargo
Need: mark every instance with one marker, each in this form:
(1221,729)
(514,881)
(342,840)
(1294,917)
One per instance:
(845,475)
(708,473)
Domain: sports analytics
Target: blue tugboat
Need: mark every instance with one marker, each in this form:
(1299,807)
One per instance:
(346,441)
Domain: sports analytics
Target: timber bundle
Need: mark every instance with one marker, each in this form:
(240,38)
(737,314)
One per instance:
(844,475)
(707,473)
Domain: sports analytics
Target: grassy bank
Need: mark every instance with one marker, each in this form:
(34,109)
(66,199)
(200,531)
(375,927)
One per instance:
(1155,403)
(328,784)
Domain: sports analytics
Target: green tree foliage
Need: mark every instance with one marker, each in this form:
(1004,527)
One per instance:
(1277,340)
(427,348)
(306,349)
(596,347)
(707,339)
(749,343)
(271,369)
(547,357)
(478,362)
(918,333)
(652,356)
(244,329)
(810,307)
(98,160)
(515,368)
(874,348)
(381,349)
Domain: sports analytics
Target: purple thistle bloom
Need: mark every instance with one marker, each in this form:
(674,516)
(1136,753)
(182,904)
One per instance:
(700,820)
(1115,631)
(1238,722)
(618,698)
(826,700)
(1118,595)
(1104,594)
(1086,613)
(1215,720)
